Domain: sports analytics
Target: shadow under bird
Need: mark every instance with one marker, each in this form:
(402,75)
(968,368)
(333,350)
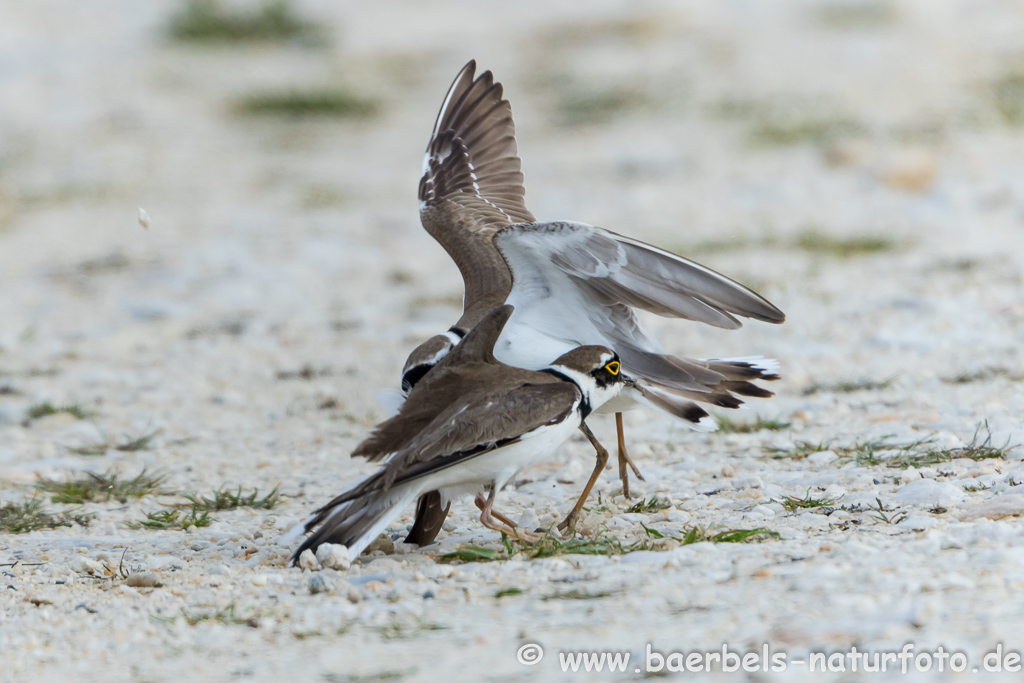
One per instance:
(474,422)
(570,283)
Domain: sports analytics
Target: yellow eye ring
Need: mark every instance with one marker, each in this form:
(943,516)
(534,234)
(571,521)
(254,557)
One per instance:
(613,367)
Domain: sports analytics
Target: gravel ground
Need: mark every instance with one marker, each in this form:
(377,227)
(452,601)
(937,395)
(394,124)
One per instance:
(858,162)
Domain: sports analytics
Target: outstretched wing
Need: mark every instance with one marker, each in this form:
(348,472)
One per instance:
(612,268)
(581,284)
(471,160)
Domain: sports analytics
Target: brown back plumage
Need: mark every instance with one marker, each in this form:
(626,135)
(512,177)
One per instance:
(454,381)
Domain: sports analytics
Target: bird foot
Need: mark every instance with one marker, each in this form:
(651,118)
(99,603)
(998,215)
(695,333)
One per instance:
(496,521)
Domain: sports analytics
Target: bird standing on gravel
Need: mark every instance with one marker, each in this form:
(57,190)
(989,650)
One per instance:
(570,283)
(474,422)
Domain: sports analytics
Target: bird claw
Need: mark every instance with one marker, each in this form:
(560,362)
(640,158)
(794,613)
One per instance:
(568,525)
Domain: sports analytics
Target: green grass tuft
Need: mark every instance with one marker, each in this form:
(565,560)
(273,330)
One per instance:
(727,426)
(797,130)
(653,505)
(600,545)
(578,594)
(604,544)
(792,503)
(699,534)
(886,515)
(506,592)
(470,553)
(20,518)
(318,102)
(983,375)
(863,14)
(581,107)
(208,21)
(141,443)
(810,240)
(225,499)
(850,386)
(844,247)
(978,449)
(378,677)
(799,451)
(89,487)
(884,451)
(45,408)
(172,519)
(229,616)
(1008,98)
(396,630)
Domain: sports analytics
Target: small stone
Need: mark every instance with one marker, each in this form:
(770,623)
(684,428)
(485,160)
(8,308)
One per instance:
(428,595)
(383,544)
(918,522)
(39,600)
(144,218)
(928,492)
(912,170)
(86,565)
(334,556)
(1007,505)
(822,457)
(307,560)
(529,519)
(728,471)
(352,594)
(220,570)
(259,580)
(318,583)
(143,580)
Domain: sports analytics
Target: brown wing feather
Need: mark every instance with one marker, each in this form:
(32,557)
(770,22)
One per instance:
(480,421)
(472,159)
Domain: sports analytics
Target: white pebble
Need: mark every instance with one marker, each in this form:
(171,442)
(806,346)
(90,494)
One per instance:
(822,457)
(332,556)
(143,218)
(86,565)
(307,560)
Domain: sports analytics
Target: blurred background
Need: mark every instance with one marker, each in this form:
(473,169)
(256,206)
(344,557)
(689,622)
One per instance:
(858,153)
(858,162)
